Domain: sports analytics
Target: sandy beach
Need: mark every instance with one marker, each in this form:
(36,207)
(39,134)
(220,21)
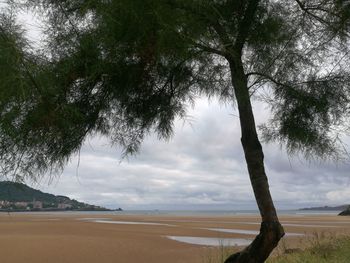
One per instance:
(63,238)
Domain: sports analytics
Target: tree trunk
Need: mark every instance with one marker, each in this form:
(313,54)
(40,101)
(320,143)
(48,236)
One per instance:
(271,231)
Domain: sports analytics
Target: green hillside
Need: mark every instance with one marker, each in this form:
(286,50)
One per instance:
(12,192)
(17,192)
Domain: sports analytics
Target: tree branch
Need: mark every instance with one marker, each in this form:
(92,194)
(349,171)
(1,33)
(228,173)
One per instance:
(209,49)
(315,81)
(267,77)
(307,11)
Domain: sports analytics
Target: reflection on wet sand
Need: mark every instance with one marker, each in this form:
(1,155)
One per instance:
(211,241)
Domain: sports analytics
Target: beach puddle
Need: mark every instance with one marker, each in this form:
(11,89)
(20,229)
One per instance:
(315,222)
(283,224)
(211,241)
(129,223)
(246,232)
(92,218)
(304,225)
(235,231)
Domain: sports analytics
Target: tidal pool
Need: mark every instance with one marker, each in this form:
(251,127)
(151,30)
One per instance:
(305,225)
(283,224)
(245,232)
(129,223)
(92,218)
(211,241)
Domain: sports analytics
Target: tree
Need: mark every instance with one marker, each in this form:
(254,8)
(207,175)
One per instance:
(126,68)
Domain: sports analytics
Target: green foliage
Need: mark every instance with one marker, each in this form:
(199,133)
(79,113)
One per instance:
(126,68)
(306,114)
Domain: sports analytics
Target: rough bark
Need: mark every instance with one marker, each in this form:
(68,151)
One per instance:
(271,230)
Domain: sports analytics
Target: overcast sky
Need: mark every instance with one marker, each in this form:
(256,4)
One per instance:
(201,167)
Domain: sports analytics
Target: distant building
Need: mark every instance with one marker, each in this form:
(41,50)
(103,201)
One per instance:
(64,206)
(4,203)
(21,204)
(37,205)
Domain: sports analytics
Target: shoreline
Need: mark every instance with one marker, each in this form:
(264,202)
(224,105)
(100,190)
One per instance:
(171,213)
(54,210)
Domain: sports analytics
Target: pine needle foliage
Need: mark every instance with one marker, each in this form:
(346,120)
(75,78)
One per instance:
(125,68)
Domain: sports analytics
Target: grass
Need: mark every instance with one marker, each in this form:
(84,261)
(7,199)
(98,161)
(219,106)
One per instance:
(331,250)
(317,248)
(218,254)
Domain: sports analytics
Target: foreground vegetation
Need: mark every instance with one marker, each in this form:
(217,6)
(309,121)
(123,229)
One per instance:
(320,248)
(334,250)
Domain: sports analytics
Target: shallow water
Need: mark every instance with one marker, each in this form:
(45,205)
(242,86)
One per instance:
(129,223)
(246,232)
(235,231)
(211,241)
(283,224)
(92,218)
(315,222)
(305,225)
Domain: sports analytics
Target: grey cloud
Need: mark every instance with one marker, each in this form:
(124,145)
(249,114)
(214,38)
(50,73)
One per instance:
(201,167)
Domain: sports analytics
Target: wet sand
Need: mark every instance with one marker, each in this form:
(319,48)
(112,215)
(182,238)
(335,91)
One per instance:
(68,238)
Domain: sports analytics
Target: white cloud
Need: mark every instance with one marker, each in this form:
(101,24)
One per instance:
(339,195)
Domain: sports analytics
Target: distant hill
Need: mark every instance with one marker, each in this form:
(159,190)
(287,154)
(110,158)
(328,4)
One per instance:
(346,212)
(327,208)
(18,196)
